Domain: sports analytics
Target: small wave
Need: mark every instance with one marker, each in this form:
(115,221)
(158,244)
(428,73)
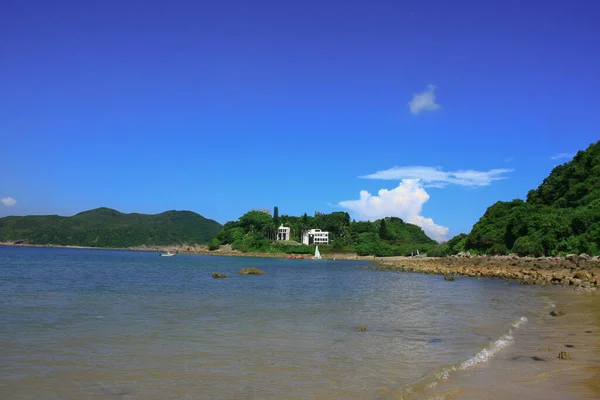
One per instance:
(443,374)
(487,353)
(519,322)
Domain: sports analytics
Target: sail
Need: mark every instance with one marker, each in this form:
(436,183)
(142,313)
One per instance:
(317,253)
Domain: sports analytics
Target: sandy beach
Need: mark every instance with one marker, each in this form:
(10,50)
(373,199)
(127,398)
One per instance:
(530,368)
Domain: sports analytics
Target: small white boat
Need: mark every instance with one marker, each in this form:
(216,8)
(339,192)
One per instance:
(317,254)
(167,254)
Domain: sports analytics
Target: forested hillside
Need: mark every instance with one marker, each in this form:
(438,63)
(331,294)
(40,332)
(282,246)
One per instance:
(561,216)
(254,230)
(104,227)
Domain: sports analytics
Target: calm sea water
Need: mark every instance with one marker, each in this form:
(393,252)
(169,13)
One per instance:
(95,324)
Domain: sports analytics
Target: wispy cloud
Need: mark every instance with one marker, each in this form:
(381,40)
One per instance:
(8,201)
(509,159)
(436,177)
(405,201)
(560,156)
(424,101)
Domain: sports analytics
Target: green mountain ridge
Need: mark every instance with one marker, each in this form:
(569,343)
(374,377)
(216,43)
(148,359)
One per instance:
(105,227)
(561,216)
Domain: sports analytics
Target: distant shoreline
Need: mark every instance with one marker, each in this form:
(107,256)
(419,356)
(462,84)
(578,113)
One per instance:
(225,251)
(575,271)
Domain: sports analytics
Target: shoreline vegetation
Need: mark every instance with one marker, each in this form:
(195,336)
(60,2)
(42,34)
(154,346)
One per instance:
(576,271)
(552,238)
(559,218)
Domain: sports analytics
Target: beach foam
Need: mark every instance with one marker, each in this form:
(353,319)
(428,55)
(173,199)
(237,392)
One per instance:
(483,356)
(487,353)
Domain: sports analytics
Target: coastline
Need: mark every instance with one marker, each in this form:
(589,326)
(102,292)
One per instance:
(512,372)
(576,271)
(572,271)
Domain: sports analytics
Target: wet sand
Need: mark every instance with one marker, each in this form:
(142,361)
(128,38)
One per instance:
(529,368)
(516,374)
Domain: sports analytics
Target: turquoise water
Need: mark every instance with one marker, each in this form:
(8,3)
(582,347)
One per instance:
(95,324)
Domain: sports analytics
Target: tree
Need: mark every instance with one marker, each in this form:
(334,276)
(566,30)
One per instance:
(215,244)
(382,229)
(305,220)
(256,222)
(276,216)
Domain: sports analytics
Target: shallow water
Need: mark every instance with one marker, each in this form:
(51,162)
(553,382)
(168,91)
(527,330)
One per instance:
(97,324)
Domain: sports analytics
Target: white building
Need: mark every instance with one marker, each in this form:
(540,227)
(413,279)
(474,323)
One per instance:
(315,236)
(283,233)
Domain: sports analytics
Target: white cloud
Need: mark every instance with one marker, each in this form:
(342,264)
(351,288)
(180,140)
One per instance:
(435,177)
(560,156)
(424,101)
(8,201)
(405,201)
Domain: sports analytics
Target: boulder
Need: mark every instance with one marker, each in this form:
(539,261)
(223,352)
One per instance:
(564,355)
(583,275)
(218,275)
(584,256)
(574,282)
(251,271)
(555,313)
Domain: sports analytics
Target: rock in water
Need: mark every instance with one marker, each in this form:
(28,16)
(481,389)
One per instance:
(448,277)
(555,313)
(564,355)
(251,271)
(218,275)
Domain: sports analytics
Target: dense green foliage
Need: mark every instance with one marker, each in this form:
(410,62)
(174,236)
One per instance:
(104,227)
(561,216)
(452,246)
(254,232)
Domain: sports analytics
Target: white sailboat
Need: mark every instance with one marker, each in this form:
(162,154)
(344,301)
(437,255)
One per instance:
(317,254)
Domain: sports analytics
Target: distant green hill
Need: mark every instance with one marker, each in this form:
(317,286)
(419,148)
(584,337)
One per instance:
(561,216)
(254,231)
(104,227)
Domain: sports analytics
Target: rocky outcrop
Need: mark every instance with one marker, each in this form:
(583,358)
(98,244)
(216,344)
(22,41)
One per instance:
(218,275)
(251,271)
(564,355)
(576,271)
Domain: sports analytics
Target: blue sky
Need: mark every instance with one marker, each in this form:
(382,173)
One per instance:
(221,107)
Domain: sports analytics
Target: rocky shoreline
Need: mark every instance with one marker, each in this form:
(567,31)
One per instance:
(573,271)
